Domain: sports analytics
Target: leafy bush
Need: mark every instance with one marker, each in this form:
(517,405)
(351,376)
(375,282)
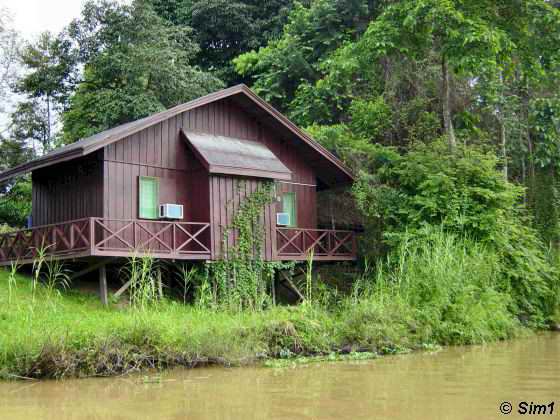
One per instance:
(15,205)
(464,194)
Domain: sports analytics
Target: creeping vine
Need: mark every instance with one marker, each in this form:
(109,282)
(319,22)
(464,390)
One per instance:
(242,277)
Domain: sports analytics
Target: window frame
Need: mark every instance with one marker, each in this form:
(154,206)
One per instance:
(294,222)
(140,192)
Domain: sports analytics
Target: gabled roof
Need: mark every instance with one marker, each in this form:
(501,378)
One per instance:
(339,173)
(232,156)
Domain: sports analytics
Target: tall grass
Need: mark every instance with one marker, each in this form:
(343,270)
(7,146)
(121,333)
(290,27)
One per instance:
(12,281)
(446,288)
(434,289)
(144,274)
(48,271)
(309,279)
(186,275)
(55,277)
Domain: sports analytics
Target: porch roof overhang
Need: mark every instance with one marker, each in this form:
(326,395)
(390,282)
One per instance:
(233,156)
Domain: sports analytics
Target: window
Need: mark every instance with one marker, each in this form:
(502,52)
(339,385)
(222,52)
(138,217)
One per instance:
(148,197)
(289,206)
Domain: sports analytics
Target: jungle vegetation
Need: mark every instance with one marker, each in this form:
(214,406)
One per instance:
(448,111)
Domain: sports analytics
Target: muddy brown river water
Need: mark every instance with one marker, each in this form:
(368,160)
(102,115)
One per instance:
(455,383)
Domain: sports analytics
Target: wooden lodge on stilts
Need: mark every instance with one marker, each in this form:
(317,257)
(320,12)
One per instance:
(169,184)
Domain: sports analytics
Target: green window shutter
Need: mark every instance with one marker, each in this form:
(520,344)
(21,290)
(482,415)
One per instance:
(148,197)
(289,206)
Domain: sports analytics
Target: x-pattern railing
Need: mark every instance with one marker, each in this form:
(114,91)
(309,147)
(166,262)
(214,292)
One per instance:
(150,236)
(294,242)
(116,237)
(98,236)
(56,239)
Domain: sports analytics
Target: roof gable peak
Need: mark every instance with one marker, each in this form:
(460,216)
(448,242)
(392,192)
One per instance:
(93,143)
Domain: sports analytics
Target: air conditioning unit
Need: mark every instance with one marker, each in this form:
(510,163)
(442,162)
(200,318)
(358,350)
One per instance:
(171,211)
(282,219)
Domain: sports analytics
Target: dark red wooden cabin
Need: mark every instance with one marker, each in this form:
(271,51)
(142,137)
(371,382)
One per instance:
(94,198)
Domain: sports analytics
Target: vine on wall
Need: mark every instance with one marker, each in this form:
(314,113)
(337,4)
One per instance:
(242,278)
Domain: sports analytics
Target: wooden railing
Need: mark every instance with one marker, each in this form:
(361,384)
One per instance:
(324,244)
(108,237)
(59,239)
(158,238)
(96,236)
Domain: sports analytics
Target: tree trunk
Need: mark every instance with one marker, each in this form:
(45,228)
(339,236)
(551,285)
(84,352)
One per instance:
(529,169)
(524,179)
(48,142)
(447,121)
(503,144)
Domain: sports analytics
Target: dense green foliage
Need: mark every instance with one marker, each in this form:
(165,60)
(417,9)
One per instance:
(461,193)
(15,204)
(421,96)
(135,65)
(287,67)
(224,29)
(448,112)
(446,290)
(410,71)
(47,86)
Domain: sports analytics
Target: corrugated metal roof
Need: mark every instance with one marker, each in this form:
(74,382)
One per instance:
(233,156)
(90,144)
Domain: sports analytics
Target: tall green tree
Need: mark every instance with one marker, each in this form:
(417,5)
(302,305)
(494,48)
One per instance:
(299,57)
(9,52)
(135,64)
(224,29)
(31,123)
(47,84)
(406,72)
(463,36)
(15,195)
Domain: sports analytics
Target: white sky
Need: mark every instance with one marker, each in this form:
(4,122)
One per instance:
(31,17)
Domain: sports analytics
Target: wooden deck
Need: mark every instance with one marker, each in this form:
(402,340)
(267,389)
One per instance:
(99,237)
(325,244)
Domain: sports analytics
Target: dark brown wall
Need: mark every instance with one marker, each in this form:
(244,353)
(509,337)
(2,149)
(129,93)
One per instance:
(110,189)
(156,151)
(68,191)
(226,196)
(228,193)
(159,151)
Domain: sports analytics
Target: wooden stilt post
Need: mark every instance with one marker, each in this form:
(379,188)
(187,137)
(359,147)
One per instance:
(103,285)
(288,280)
(160,285)
(122,289)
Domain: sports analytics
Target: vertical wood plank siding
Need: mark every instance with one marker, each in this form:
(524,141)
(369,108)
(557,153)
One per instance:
(160,151)
(110,190)
(68,191)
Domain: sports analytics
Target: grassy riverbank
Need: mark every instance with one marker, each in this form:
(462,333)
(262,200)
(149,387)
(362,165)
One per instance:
(440,296)
(437,290)
(73,335)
